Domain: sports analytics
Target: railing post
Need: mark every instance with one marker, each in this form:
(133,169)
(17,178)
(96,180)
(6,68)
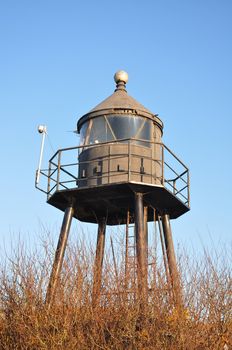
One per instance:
(162,164)
(129,161)
(58,171)
(174,186)
(49,180)
(188,181)
(108,164)
(152,159)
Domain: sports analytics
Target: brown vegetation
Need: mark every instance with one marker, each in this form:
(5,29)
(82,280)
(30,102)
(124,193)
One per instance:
(72,322)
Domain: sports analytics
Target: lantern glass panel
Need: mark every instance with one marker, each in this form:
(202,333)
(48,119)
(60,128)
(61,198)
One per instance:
(116,127)
(125,127)
(83,132)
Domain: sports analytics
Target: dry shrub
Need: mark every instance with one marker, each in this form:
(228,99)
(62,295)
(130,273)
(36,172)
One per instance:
(115,323)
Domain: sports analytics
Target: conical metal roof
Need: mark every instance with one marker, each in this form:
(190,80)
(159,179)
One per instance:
(120,99)
(121,103)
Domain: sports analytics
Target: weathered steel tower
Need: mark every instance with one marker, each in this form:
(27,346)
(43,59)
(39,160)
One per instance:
(123,174)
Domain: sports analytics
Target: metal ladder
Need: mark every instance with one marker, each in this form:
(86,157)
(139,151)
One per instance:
(130,253)
(130,256)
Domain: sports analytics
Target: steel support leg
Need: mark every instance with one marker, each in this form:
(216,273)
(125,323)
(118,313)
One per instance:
(97,278)
(141,249)
(164,252)
(146,228)
(174,275)
(127,249)
(59,256)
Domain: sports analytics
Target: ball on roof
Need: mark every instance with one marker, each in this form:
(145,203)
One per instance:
(121,75)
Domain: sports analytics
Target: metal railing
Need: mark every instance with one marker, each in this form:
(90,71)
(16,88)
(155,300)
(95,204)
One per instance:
(166,169)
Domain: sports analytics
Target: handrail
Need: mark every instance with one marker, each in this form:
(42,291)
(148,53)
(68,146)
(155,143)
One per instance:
(63,176)
(67,172)
(119,141)
(173,154)
(105,143)
(176,178)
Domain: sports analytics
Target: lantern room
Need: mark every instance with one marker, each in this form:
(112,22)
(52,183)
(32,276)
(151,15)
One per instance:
(119,122)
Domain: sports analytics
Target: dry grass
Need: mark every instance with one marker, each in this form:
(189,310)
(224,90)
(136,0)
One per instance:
(72,323)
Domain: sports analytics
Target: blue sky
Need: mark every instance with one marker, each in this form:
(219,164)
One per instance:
(57,61)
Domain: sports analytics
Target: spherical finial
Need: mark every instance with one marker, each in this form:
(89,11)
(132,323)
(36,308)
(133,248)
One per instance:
(42,129)
(121,75)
